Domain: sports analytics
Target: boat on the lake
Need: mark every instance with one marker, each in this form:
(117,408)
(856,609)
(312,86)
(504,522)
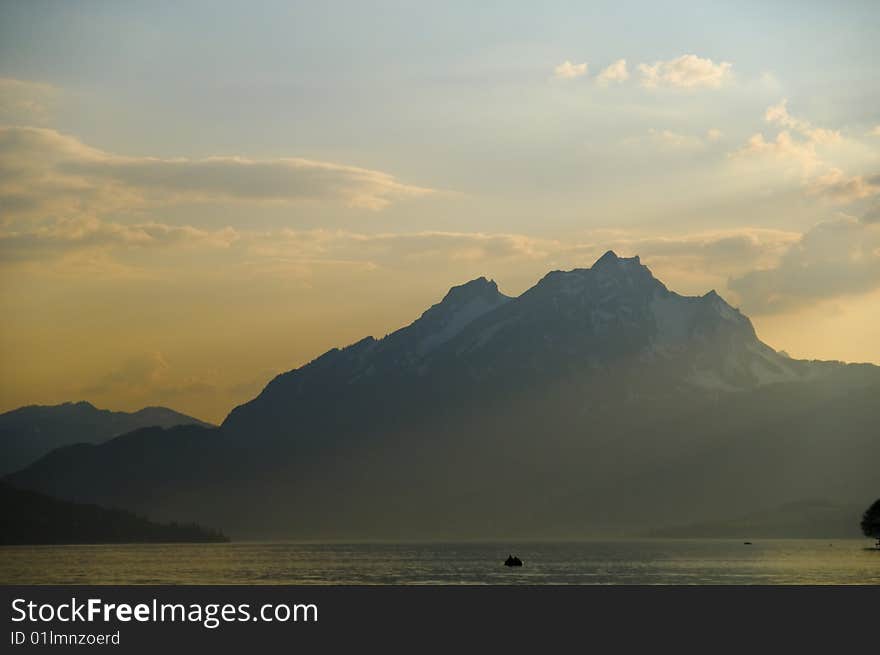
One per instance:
(513,561)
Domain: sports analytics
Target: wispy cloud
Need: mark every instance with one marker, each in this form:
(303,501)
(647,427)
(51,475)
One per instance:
(802,144)
(26,102)
(778,114)
(814,151)
(46,173)
(92,247)
(675,140)
(58,237)
(671,140)
(149,376)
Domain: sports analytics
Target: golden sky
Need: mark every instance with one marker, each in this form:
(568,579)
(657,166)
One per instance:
(187,211)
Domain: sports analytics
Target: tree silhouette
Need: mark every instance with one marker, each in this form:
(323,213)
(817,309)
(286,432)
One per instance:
(871,522)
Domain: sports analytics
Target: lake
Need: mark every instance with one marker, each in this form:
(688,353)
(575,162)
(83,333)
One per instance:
(589,562)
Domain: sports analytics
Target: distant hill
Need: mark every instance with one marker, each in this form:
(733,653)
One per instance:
(596,403)
(30,432)
(29,518)
(810,519)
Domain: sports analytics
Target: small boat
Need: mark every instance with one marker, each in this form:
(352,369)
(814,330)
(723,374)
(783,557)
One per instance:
(512,561)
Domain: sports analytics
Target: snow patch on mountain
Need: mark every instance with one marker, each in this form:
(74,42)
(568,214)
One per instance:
(459,318)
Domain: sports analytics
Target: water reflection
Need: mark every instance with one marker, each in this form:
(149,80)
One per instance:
(593,562)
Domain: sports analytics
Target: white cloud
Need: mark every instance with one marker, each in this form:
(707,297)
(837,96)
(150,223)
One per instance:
(875,131)
(568,71)
(616,72)
(714,134)
(687,71)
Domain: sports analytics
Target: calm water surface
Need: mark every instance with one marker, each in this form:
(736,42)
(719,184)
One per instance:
(592,562)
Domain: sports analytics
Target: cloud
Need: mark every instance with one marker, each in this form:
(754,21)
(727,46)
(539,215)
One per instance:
(872,215)
(568,71)
(875,131)
(834,258)
(707,257)
(46,173)
(786,145)
(744,246)
(778,114)
(389,249)
(32,187)
(95,248)
(685,72)
(25,102)
(63,236)
(238,178)
(842,188)
(671,139)
(799,142)
(783,147)
(148,375)
(138,373)
(616,72)
(700,261)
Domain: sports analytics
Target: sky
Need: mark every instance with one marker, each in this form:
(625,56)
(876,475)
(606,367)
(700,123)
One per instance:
(196,196)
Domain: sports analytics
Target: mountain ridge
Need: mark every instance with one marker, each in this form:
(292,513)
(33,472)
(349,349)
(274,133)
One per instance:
(401,351)
(28,432)
(595,402)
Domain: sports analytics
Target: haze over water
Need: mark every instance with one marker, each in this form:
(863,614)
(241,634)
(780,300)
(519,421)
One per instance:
(785,561)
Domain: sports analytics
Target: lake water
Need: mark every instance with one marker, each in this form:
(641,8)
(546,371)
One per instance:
(591,562)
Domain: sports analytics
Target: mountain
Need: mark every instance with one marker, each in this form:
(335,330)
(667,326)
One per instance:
(30,432)
(29,518)
(598,402)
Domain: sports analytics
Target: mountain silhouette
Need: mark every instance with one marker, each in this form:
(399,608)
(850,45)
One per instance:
(30,518)
(30,432)
(597,402)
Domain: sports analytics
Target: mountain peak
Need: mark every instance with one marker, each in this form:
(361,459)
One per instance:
(478,288)
(610,259)
(441,322)
(82,404)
